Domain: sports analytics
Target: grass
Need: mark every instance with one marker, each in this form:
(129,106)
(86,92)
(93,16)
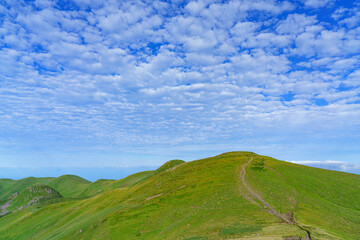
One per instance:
(9,187)
(202,199)
(34,195)
(322,201)
(69,185)
(239,229)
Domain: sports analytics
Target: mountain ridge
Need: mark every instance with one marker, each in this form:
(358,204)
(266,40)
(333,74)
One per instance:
(204,199)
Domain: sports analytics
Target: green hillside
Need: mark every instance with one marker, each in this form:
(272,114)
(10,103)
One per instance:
(103,184)
(9,187)
(34,195)
(69,185)
(169,165)
(236,195)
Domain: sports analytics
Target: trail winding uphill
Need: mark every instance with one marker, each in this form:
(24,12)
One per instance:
(235,195)
(283,217)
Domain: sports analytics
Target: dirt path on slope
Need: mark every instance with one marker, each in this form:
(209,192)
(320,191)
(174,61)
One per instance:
(283,217)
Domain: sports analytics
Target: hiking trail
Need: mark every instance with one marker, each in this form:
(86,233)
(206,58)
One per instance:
(283,217)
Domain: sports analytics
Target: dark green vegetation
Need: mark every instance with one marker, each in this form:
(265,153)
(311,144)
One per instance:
(231,196)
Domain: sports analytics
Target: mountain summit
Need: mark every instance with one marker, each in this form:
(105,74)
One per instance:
(236,195)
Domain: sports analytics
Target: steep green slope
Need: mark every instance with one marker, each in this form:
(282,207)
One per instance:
(94,188)
(103,184)
(230,196)
(9,187)
(69,185)
(169,165)
(132,179)
(30,196)
(320,200)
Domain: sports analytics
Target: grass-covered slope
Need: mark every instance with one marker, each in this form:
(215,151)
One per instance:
(132,179)
(169,165)
(9,187)
(69,185)
(321,201)
(102,185)
(94,188)
(230,196)
(30,196)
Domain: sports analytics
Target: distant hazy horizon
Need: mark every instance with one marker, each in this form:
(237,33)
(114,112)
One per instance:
(119,172)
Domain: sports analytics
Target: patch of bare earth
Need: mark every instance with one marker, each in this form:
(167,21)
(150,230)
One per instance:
(155,196)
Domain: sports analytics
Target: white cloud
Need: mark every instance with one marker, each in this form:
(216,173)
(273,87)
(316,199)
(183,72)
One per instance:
(130,73)
(243,30)
(344,64)
(333,165)
(353,79)
(327,43)
(265,40)
(295,24)
(317,3)
(259,61)
(352,21)
(195,7)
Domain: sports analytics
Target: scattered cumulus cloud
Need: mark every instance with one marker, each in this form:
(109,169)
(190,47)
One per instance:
(126,74)
(317,3)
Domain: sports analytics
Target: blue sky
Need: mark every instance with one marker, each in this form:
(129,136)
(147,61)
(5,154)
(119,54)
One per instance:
(128,84)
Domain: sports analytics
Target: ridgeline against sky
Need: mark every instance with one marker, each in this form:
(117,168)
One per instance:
(110,83)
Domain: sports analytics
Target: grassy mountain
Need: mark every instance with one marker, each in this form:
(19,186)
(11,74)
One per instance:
(9,187)
(69,185)
(30,196)
(231,196)
(169,165)
(103,184)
